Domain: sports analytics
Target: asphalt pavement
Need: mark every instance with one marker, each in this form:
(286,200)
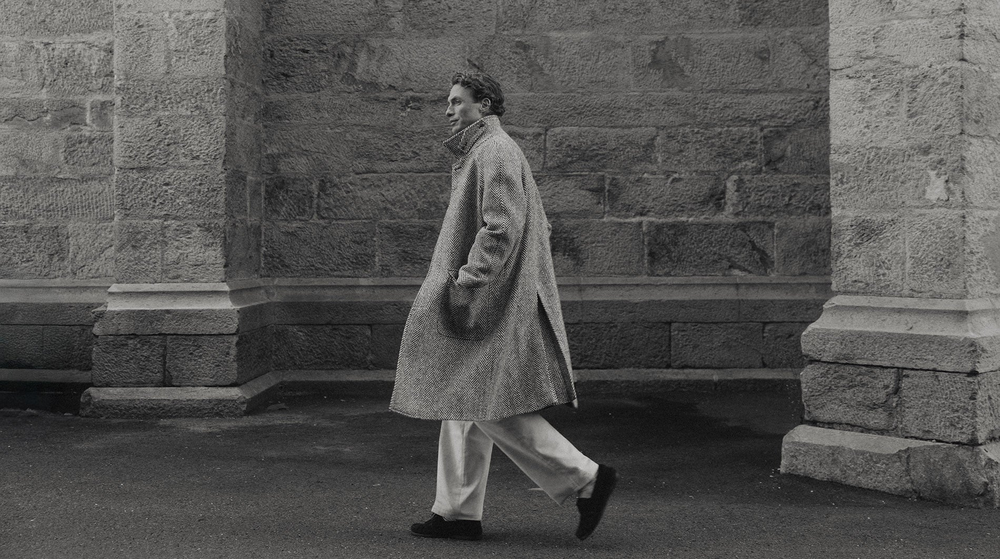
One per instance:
(338,475)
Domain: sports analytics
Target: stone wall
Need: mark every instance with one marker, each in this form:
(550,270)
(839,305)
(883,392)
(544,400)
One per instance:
(671,140)
(56,191)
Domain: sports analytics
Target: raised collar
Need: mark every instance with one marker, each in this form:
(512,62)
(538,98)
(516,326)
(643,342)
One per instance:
(461,143)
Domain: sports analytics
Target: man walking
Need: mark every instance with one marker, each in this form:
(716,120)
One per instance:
(484,347)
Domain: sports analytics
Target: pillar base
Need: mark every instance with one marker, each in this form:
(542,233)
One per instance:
(181,401)
(967,475)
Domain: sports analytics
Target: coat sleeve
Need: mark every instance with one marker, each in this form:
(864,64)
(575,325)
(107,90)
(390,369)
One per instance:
(504,206)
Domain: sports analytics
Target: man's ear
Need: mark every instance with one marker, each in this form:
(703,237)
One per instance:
(487,104)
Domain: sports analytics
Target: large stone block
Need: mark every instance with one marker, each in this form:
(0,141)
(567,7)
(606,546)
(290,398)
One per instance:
(142,50)
(317,249)
(382,110)
(89,153)
(386,339)
(129,361)
(201,360)
(850,12)
(42,114)
(865,397)
(28,153)
(56,17)
(790,60)
(351,17)
(868,254)
(716,346)
(405,247)
(639,17)
(352,150)
(162,141)
(180,96)
(710,249)
(555,62)
(666,196)
(56,69)
(982,256)
(572,196)
(600,149)
(243,250)
(322,347)
(858,47)
(778,195)
(194,251)
(476,18)
(320,63)
(101,113)
(597,248)
(55,199)
(532,144)
(709,149)
(34,251)
(803,151)
(935,255)
(178,194)
(782,348)
(802,246)
(950,407)
(45,347)
(781,13)
(383,196)
(138,251)
(289,198)
(619,345)
(196,43)
(91,250)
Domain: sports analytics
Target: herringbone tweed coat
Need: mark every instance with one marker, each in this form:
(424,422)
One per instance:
(485,338)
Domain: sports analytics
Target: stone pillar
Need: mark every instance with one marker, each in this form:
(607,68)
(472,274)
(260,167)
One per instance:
(186,314)
(902,386)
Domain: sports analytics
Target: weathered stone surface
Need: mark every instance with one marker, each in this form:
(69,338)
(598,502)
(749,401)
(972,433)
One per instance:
(950,407)
(557,63)
(777,195)
(91,250)
(903,42)
(129,361)
(138,251)
(803,151)
(319,249)
(289,198)
(63,68)
(91,152)
(383,196)
(709,149)
(337,151)
(665,196)
(243,250)
(782,348)
(384,110)
(405,247)
(193,251)
(33,251)
(636,16)
(351,17)
(42,114)
(982,253)
(162,141)
(619,344)
(532,144)
(55,18)
(781,13)
(55,199)
(868,254)
(28,153)
(323,347)
(710,249)
(666,109)
(600,149)
(783,61)
(181,96)
(154,403)
(45,347)
(386,339)
(201,360)
(716,346)
(597,248)
(802,246)
(100,113)
(196,43)
(177,194)
(935,255)
(572,196)
(322,63)
(866,397)
(793,308)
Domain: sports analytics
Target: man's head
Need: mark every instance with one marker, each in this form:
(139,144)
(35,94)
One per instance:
(473,96)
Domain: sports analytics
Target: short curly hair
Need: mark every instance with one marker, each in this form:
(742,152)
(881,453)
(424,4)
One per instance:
(483,86)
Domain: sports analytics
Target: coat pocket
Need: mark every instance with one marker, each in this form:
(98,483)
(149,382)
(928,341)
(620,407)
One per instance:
(465,312)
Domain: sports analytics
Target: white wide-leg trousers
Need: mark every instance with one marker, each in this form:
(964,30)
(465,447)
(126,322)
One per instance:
(465,448)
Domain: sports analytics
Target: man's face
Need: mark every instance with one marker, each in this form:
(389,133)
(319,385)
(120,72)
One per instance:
(462,110)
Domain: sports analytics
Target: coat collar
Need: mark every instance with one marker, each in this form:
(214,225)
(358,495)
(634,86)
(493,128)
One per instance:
(461,143)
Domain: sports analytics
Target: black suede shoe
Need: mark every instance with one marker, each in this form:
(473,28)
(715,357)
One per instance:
(592,508)
(438,527)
